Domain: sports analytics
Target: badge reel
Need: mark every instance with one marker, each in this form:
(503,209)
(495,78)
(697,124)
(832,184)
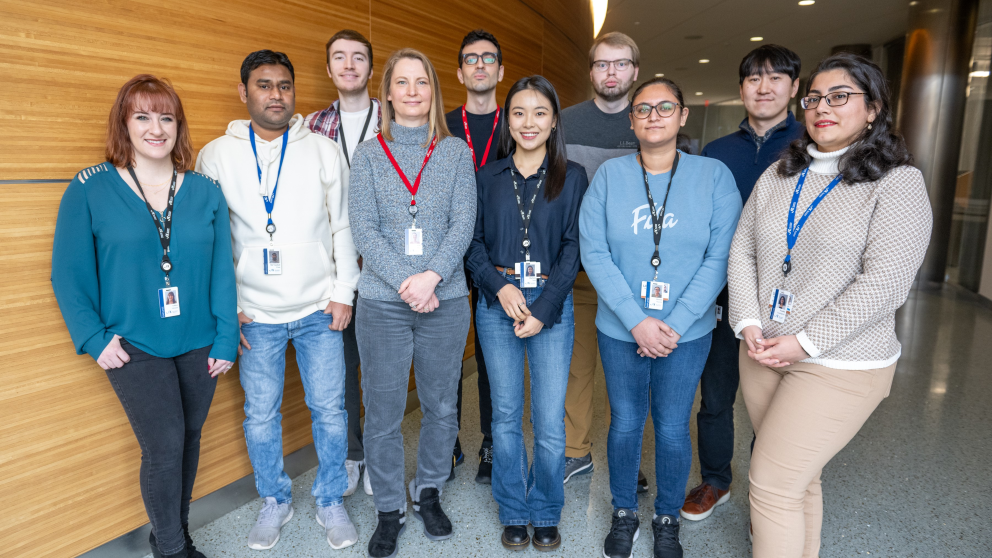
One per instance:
(168,297)
(655,292)
(414,239)
(780,305)
(527,271)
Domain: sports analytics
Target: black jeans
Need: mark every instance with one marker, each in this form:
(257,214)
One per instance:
(166,401)
(485,399)
(353,391)
(718,390)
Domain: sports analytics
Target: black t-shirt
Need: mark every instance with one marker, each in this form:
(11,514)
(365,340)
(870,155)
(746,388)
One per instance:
(481,127)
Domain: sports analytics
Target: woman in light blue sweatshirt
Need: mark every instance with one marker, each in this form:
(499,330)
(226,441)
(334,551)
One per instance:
(657,278)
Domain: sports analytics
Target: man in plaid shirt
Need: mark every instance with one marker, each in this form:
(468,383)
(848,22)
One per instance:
(353,118)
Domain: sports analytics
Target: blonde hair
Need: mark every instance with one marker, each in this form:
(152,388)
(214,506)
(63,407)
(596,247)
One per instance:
(436,123)
(616,39)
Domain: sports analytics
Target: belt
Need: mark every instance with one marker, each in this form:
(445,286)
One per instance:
(511,271)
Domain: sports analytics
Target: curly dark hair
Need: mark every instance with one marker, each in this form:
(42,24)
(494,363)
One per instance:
(876,151)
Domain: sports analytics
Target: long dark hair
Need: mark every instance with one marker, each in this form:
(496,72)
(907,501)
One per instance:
(681,140)
(557,156)
(876,151)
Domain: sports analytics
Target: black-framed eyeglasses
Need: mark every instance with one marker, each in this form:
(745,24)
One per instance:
(643,110)
(620,65)
(472,58)
(835,99)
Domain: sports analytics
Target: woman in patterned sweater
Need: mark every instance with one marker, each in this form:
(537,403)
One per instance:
(815,300)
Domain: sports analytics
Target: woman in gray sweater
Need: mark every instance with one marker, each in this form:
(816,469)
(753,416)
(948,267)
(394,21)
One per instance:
(412,209)
(815,300)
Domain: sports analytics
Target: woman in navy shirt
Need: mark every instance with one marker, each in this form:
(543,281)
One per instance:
(525,256)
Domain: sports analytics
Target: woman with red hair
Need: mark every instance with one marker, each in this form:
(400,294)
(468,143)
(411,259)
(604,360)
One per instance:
(144,277)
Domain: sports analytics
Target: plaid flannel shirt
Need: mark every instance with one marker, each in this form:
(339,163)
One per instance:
(327,122)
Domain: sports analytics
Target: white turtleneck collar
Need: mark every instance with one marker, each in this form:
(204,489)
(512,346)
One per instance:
(825,163)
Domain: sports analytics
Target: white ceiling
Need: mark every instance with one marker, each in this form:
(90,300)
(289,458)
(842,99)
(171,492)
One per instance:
(724,28)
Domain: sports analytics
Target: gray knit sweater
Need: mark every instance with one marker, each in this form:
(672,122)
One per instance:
(378,208)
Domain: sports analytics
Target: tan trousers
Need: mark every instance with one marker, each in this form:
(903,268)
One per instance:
(803,415)
(585,358)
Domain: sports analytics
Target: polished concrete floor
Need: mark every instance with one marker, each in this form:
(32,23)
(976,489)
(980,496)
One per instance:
(915,482)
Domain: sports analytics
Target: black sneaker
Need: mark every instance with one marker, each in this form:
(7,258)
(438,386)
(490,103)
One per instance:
(623,533)
(191,551)
(485,474)
(385,539)
(457,458)
(642,482)
(666,537)
(578,466)
(437,526)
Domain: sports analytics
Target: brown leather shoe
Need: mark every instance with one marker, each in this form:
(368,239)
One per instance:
(701,500)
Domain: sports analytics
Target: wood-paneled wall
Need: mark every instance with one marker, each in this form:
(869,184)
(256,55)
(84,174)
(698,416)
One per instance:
(68,459)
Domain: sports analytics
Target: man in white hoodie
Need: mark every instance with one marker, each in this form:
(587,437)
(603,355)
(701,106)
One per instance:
(297,270)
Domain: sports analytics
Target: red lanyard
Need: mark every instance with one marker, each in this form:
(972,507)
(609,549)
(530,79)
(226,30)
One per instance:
(468,137)
(416,184)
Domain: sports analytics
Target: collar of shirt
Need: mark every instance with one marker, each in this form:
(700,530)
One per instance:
(507,163)
(327,122)
(759,140)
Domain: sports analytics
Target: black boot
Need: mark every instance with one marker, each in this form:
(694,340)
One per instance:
(158,553)
(546,538)
(515,537)
(191,551)
(385,539)
(666,537)
(427,508)
(485,475)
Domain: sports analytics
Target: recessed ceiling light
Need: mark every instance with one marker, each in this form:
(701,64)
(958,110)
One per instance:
(980,73)
(637,23)
(756,39)
(659,75)
(913,3)
(699,92)
(704,60)
(807,2)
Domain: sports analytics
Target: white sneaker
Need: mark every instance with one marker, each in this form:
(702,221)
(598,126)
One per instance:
(368,482)
(265,534)
(340,530)
(354,469)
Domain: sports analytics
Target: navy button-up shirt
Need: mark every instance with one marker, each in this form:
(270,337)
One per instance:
(554,234)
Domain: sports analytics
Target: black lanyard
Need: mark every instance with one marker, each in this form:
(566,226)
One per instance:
(164,227)
(658,223)
(361,138)
(525,214)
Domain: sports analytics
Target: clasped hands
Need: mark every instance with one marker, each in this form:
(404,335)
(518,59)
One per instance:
(418,291)
(776,352)
(515,305)
(655,338)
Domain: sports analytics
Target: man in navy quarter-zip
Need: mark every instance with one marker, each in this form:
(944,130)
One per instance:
(769,79)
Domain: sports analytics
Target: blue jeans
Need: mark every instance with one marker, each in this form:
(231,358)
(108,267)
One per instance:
(668,386)
(536,494)
(320,356)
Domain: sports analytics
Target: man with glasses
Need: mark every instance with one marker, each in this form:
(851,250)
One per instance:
(596,130)
(769,79)
(480,68)
(354,117)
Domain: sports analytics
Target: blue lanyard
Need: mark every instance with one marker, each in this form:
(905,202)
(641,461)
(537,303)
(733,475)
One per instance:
(792,229)
(270,202)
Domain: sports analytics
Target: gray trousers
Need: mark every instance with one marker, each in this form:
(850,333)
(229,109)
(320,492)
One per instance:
(390,337)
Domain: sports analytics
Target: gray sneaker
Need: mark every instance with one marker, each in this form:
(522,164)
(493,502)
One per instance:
(340,530)
(578,466)
(265,534)
(354,470)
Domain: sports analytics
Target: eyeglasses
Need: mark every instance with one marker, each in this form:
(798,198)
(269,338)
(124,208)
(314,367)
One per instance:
(835,99)
(472,58)
(620,65)
(643,110)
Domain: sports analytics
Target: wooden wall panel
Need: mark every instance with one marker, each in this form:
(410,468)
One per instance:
(68,460)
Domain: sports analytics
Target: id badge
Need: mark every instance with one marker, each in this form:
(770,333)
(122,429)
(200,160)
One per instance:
(272,261)
(168,302)
(528,272)
(414,242)
(719,313)
(780,304)
(654,293)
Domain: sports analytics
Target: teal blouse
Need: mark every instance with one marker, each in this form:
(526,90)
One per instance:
(106,274)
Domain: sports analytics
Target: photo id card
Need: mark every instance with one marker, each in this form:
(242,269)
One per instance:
(528,273)
(780,305)
(168,302)
(719,313)
(414,242)
(272,260)
(654,293)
